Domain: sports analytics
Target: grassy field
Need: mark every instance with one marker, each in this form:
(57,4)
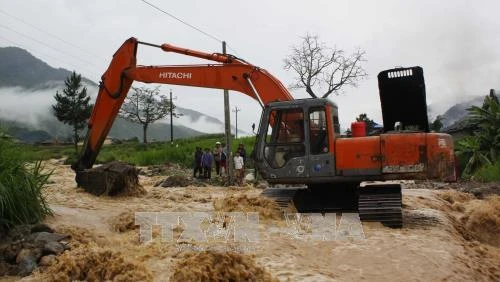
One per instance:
(181,152)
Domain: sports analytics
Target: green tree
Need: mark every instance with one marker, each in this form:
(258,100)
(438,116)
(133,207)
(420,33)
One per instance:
(469,149)
(483,147)
(437,124)
(323,69)
(146,106)
(73,105)
(370,124)
(486,120)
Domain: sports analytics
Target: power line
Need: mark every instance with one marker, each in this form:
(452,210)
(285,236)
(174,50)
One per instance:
(45,54)
(236,53)
(180,20)
(23,46)
(46,45)
(51,34)
(188,24)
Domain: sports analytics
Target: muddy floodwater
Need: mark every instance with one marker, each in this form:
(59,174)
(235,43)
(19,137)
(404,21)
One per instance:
(447,236)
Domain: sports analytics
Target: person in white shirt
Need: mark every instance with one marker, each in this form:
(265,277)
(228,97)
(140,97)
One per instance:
(238,168)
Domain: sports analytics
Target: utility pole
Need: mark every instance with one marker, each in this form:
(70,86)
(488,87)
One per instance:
(227,122)
(236,110)
(171,119)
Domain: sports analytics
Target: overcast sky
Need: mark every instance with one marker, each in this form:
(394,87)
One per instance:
(456,42)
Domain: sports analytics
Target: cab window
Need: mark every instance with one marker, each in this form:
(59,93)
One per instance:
(285,138)
(318,133)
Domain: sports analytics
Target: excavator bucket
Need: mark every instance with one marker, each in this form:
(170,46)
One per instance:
(403,101)
(112,179)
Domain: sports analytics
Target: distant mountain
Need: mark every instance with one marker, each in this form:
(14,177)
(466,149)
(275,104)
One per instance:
(23,132)
(455,118)
(49,129)
(459,111)
(195,116)
(20,68)
(159,131)
(202,122)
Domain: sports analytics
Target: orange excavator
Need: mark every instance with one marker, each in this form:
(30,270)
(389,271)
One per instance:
(299,141)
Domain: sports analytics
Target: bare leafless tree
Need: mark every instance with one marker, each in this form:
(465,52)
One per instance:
(322,68)
(146,106)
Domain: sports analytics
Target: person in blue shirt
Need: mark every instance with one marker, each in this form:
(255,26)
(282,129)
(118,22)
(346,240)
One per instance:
(206,163)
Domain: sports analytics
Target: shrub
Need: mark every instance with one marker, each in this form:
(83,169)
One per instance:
(488,173)
(21,184)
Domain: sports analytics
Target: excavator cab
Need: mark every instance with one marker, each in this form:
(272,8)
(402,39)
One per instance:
(295,140)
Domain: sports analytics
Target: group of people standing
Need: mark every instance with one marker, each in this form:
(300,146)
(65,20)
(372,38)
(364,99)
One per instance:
(203,160)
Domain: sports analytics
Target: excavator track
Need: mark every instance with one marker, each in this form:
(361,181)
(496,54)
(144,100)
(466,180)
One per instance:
(325,198)
(382,203)
(282,196)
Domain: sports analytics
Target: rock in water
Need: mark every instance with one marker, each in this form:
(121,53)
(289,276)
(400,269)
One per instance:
(41,227)
(250,177)
(45,237)
(111,179)
(47,260)
(53,248)
(26,261)
(25,267)
(176,181)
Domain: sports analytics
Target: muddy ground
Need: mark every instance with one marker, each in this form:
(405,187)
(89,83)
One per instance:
(447,236)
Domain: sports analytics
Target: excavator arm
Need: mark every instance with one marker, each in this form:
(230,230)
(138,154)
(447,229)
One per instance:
(229,73)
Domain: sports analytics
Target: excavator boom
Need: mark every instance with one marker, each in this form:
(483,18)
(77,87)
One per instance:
(229,73)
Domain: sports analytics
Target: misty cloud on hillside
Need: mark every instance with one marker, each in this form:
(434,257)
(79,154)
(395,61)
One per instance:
(30,106)
(33,108)
(25,106)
